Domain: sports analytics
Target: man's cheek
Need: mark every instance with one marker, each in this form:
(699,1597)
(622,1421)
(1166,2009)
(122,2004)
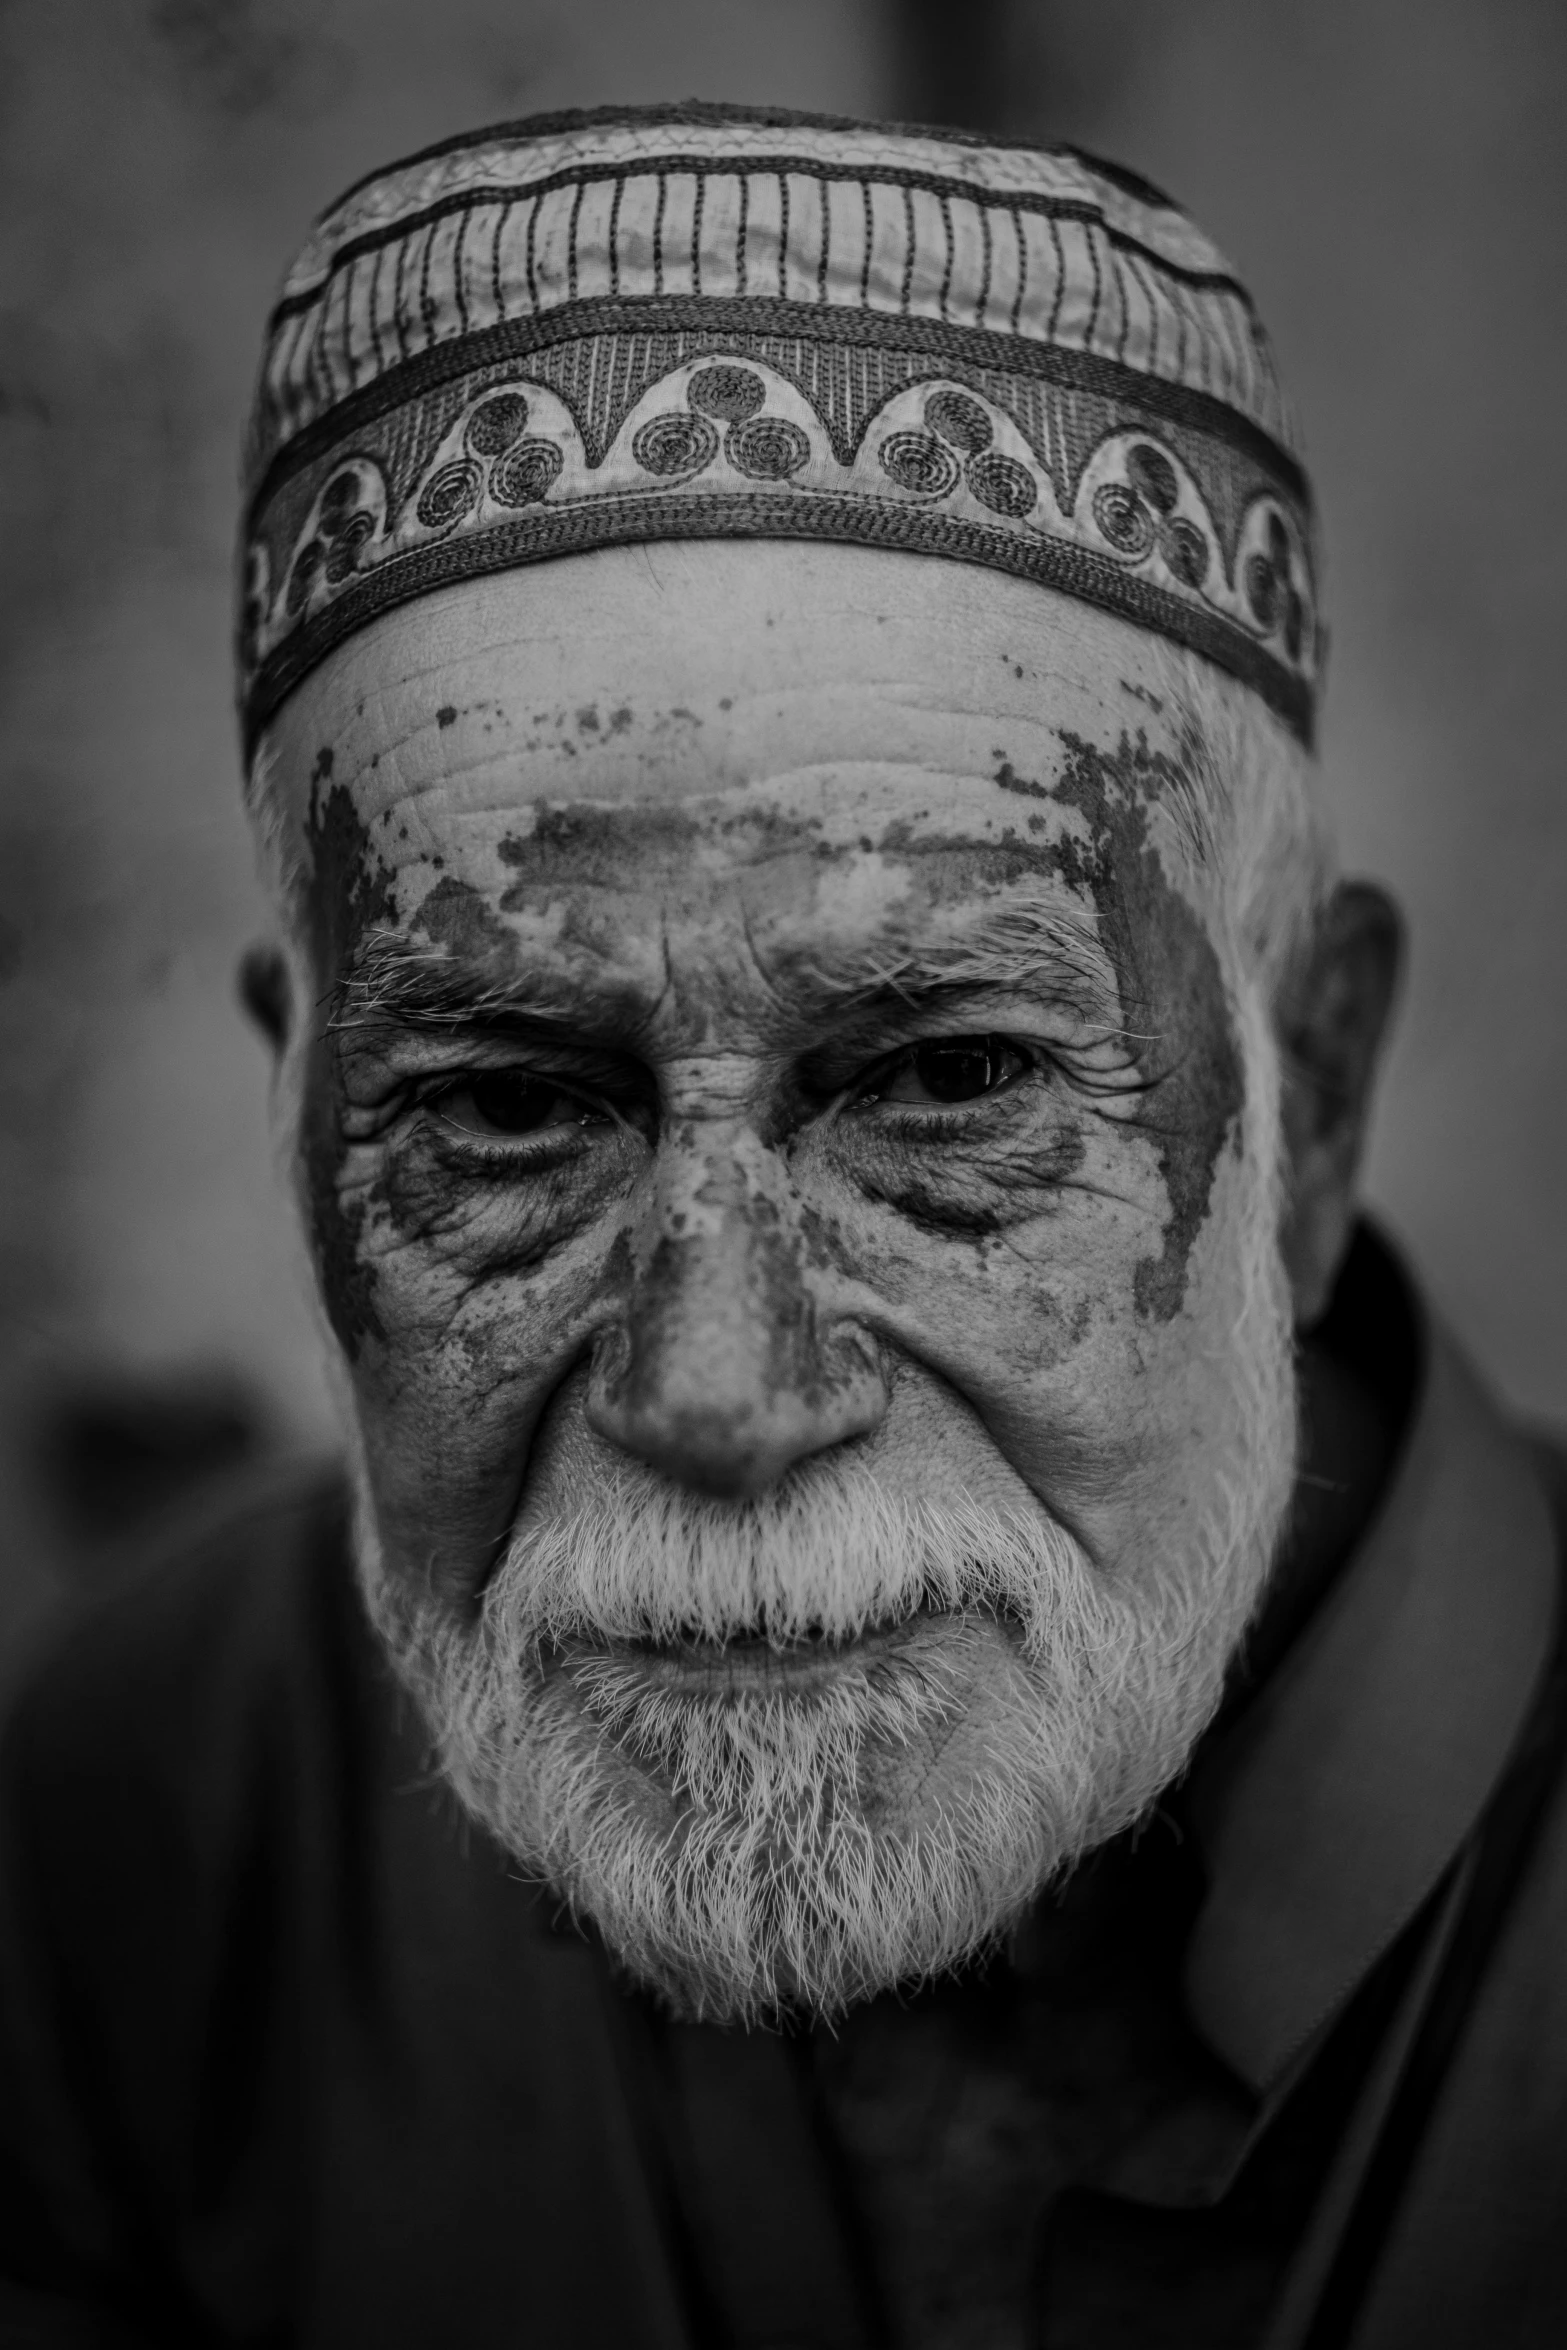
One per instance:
(1028,1306)
(976,1197)
(1026,1257)
(448,1403)
(471,1279)
(429,1221)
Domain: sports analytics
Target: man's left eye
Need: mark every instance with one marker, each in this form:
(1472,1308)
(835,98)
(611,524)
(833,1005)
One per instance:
(498,1105)
(953,1069)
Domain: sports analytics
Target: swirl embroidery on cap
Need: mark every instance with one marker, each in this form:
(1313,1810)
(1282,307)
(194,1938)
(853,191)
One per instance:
(670,325)
(683,441)
(516,451)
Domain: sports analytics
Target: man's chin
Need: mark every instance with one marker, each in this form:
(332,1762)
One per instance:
(888,1729)
(752,1828)
(834,1742)
(755,1858)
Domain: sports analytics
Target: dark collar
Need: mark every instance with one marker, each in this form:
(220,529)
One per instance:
(1335,1804)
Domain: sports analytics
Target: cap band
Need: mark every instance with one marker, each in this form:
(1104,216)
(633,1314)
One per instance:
(699,324)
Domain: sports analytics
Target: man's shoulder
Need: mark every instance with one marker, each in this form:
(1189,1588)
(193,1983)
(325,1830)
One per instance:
(1476,2251)
(242,1631)
(267,2013)
(1549,1447)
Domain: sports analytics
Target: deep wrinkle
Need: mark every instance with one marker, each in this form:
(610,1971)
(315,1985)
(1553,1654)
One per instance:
(986,1193)
(485,1224)
(485,972)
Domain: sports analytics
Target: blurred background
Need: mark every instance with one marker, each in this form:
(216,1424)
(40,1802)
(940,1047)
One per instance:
(1391,177)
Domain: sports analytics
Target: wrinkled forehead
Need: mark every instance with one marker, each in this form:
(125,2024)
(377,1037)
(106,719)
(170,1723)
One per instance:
(666,719)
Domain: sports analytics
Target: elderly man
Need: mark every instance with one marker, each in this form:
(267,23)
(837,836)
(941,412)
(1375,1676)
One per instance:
(1000,1674)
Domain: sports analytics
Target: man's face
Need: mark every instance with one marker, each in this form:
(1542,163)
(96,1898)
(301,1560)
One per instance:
(789,1167)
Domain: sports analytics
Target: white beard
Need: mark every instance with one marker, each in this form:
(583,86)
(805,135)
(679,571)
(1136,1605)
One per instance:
(814,1836)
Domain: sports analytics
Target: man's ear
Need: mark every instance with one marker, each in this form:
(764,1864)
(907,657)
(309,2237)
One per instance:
(266,993)
(1330,1030)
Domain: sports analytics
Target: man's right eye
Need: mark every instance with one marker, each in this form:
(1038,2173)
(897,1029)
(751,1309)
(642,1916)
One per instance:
(953,1069)
(499,1105)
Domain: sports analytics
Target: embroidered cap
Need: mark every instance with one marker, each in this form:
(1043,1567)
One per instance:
(710,322)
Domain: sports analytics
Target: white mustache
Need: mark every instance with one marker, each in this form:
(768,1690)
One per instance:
(826,1557)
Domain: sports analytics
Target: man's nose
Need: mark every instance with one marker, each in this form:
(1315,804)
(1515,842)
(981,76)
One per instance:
(732,1362)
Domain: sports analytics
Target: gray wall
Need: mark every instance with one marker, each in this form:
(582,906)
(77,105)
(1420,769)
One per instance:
(1390,175)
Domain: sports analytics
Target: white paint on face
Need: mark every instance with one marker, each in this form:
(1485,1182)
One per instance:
(704,855)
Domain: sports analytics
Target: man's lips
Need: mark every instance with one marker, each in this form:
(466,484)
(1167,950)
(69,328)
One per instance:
(751,1661)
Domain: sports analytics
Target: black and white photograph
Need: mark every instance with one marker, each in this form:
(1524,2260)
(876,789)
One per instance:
(783,1175)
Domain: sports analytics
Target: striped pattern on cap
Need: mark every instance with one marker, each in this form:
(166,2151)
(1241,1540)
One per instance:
(686,322)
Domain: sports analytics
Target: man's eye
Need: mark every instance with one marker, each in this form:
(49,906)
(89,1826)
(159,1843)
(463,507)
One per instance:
(500,1104)
(953,1069)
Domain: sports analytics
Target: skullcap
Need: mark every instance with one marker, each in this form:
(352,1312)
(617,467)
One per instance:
(711,322)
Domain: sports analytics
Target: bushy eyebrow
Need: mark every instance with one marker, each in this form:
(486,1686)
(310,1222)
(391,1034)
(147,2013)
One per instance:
(1052,954)
(395,982)
(1045,952)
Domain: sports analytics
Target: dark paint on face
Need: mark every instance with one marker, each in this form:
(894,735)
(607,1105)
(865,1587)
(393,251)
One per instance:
(459,917)
(720,1340)
(1169,972)
(1165,962)
(351,893)
(762,1254)
(578,844)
